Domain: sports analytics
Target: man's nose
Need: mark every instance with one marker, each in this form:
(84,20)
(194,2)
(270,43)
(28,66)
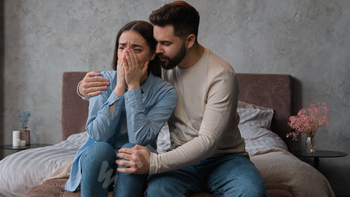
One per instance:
(159,49)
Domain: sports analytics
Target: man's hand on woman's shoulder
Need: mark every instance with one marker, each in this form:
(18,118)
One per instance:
(91,86)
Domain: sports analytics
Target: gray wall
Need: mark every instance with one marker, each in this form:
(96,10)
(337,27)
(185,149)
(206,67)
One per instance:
(308,39)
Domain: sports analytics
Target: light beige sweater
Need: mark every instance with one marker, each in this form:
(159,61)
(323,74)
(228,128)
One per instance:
(204,121)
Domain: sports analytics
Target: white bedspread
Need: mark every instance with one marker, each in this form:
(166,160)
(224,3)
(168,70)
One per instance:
(25,169)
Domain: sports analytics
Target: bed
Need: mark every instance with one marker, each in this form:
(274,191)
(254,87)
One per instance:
(265,104)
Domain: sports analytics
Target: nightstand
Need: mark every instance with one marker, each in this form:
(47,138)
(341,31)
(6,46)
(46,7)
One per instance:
(10,147)
(318,154)
(19,148)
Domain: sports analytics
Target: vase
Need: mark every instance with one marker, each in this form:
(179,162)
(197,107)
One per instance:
(25,135)
(310,144)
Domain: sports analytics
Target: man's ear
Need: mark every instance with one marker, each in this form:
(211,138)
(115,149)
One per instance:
(190,40)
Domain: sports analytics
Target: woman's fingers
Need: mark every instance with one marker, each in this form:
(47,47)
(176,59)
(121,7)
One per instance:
(134,70)
(133,60)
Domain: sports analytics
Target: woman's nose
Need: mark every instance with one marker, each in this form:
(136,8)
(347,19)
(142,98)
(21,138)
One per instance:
(126,50)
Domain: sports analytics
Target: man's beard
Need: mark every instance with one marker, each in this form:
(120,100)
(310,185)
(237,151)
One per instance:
(171,63)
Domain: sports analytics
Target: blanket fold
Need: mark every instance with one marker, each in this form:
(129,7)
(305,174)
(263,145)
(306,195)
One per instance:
(61,172)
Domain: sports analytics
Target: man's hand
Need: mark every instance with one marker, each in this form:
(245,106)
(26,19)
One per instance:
(91,86)
(138,160)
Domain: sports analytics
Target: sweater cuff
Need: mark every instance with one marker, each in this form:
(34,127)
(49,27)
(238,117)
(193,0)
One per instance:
(153,163)
(84,98)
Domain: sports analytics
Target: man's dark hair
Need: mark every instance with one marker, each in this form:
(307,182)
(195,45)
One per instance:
(181,15)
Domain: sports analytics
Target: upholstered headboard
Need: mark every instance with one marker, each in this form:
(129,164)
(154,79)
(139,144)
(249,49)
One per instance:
(268,90)
(273,91)
(74,109)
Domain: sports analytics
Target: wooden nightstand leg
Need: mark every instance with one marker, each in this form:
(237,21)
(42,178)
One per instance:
(316,162)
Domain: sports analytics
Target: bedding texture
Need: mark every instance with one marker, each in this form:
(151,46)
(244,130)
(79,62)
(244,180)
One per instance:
(25,169)
(280,166)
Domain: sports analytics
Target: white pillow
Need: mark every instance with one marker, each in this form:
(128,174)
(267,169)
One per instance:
(259,139)
(255,127)
(255,117)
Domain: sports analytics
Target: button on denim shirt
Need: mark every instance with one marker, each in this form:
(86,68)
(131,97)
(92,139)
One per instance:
(137,118)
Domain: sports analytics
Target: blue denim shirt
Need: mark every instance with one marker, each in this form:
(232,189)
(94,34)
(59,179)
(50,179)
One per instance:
(137,118)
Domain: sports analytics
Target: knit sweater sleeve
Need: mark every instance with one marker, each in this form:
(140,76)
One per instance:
(221,104)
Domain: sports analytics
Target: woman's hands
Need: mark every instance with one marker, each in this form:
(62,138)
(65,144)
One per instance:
(129,73)
(121,83)
(134,72)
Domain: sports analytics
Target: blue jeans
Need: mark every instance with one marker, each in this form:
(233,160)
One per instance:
(99,171)
(227,175)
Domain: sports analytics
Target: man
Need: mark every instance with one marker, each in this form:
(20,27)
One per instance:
(207,152)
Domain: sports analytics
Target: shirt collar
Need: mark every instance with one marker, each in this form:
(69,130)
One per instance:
(146,87)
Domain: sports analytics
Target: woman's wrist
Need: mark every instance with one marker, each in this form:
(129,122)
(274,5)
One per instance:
(133,86)
(119,90)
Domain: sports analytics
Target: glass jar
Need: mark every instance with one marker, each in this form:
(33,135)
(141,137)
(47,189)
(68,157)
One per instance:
(25,135)
(310,144)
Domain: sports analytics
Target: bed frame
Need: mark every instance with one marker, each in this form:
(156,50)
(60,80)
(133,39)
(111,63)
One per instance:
(268,90)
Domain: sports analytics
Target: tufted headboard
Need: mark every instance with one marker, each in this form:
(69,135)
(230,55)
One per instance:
(269,90)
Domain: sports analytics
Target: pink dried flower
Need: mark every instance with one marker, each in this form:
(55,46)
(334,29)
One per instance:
(307,121)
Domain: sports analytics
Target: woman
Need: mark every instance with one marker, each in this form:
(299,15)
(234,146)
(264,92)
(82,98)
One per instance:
(132,110)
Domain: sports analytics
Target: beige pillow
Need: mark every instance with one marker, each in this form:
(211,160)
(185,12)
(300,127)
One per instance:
(245,105)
